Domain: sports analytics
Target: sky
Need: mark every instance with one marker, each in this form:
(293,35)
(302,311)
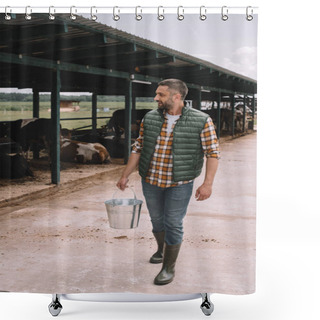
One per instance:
(230,44)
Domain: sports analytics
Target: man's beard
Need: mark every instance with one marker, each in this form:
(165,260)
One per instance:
(166,105)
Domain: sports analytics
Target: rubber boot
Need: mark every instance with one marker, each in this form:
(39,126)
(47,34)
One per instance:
(167,272)
(158,256)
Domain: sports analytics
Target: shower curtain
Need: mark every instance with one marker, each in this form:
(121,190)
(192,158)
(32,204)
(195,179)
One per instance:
(70,81)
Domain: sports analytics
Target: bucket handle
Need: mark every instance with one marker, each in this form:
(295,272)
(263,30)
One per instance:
(135,197)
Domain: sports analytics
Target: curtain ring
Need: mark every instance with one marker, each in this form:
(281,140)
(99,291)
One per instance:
(203,13)
(249,17)
(51,13)
(224,13)
(93,16)
(180,13)
(7,16)
(138,16)
(160,16)
(116,17)
(72,16)
(28,13)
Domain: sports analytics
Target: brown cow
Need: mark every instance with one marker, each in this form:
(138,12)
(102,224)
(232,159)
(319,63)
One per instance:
(83,152)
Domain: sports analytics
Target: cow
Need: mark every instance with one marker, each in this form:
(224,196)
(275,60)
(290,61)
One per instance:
(65,133)
(226,120)
(115,146)
(83,152)
(14,166)
(26,132)
(117,121)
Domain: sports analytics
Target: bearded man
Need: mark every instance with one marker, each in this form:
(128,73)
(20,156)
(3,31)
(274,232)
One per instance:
(170,150)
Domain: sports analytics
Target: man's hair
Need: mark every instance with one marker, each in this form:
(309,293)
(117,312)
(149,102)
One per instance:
(176,85)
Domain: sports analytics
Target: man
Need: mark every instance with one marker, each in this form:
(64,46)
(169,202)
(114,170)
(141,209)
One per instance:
(169,150)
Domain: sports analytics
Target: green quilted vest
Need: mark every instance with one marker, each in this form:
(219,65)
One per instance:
(187,150)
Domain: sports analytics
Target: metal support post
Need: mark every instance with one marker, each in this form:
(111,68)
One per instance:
(198,97)
(55,126)
(253,110)
(218,115)
(94,113)
(35,114)
(244,113)
(232,114)
(127,129)
(36,104)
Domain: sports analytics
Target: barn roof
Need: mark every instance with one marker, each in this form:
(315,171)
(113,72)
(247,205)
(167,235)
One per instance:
(106,55)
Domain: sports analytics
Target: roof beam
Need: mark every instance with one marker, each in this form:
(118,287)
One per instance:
(20,34)
(157,61)
(135,58)
(56,45)
(191,72)
(92,54)
(143,65)
(64,66)
(71,67)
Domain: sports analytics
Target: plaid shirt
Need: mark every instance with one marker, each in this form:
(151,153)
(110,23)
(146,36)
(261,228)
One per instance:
(160,170)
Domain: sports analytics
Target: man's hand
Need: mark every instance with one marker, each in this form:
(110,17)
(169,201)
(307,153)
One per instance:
(123,183)
(131,165)
(203,192)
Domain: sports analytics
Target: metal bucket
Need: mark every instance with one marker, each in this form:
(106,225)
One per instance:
(123,213)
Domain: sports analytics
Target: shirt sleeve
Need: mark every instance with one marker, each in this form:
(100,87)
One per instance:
(138,144)
(209,140)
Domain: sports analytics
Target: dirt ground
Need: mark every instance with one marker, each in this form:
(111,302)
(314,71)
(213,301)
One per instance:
(30,188)
(58,239)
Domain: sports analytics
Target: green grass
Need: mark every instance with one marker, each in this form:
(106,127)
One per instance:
(13,110)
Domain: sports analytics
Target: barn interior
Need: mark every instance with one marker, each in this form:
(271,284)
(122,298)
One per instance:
(82,55)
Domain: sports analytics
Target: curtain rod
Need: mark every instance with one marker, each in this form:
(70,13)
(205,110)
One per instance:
(127,9)
(138,11)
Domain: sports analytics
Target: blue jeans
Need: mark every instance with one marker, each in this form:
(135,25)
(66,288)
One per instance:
(167,208)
